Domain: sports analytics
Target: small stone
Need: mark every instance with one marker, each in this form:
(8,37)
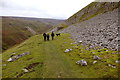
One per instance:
(67,50)
(80,41)
(109,65)
(113,66)
(117,61)
(96,57)
(71,43)
(10,59)
(94,62)
(82,62)
(25,70)
(106,50)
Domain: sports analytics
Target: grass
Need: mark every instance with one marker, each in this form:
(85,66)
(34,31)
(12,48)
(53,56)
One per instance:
(56,63)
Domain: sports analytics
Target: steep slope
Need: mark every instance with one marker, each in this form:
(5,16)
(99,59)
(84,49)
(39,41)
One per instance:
(100,30)
(17,29)
(47,59)
(92,10)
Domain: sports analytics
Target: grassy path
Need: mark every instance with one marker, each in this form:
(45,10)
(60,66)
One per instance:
(56,64)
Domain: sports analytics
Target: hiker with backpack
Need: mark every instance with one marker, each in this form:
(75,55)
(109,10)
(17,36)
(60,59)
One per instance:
(52,35)
(44,35)
(48,37)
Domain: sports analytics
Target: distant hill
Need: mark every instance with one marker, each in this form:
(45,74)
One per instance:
(18,29)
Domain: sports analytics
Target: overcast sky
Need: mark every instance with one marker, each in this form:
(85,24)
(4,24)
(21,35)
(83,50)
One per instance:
(56,9)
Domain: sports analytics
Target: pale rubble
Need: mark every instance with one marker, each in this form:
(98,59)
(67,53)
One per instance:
(102,30)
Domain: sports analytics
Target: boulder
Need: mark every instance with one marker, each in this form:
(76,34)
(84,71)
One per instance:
(82,62)
(96,57)
(109,65)
(80,41)
(67,50)
(10,60)
(25,70)
(117,61)
(94,62)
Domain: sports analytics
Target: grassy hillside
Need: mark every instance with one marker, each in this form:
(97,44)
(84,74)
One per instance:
(92,10)
(48,60)
(16,29)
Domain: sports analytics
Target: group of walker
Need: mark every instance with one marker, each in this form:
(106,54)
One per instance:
(46,36)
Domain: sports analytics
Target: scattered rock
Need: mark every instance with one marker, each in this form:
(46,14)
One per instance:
(25,70)
(94,62)
(67,50)
(113,66)
(109,65)
(10,60)
(96,57)
(80,41)
(117,61)
(28,69)
(13,58)
(82,62)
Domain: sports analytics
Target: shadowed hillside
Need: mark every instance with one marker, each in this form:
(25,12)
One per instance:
(17,29)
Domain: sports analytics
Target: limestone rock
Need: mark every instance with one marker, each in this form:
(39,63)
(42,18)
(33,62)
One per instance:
(96,57)
(67,50)
(82,62)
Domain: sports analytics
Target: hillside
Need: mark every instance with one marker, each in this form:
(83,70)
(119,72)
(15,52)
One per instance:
(92,10)
(18,29)
(100,30)
(48,60)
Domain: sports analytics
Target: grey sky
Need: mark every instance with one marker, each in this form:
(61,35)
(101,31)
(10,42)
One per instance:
(57,9)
